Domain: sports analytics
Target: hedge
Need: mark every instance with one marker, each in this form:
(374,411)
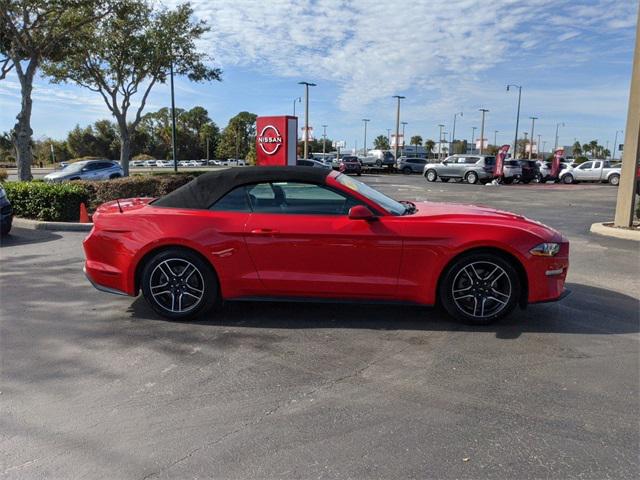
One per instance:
(56,202)
(61,201)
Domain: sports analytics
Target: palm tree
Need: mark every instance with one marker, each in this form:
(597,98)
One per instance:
(381,142)
(429,145)
(576,150)
(593,146)
(416,140)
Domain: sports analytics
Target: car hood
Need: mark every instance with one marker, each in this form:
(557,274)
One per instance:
(461,212)
(59,175)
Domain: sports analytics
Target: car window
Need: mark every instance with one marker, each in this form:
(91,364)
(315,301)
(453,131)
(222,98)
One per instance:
(597,164)
(298,199)
(106,165)
(489,161)
(585,165)
(234,201)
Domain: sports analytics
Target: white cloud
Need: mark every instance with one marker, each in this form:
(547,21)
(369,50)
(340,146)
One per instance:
(373,49)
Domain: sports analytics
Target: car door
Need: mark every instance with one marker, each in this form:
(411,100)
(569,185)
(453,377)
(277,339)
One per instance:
(303,243)
(448,167)
(583,171)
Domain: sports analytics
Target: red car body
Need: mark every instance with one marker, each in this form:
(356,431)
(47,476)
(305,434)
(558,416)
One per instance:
(396,258)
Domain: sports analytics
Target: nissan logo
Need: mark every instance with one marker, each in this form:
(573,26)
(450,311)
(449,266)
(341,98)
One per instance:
(270,139)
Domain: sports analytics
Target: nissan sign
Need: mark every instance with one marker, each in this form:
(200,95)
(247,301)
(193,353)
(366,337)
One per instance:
(276,140)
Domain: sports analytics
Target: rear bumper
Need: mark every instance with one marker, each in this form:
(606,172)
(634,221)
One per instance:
(95,277)
(102,288)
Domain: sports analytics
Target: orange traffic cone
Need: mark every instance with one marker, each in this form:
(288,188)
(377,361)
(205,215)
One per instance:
(84,216)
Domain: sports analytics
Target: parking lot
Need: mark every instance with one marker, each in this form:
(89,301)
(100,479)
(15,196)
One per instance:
(98,386)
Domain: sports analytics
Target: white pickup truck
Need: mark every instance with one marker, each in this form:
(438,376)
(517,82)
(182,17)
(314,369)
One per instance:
(592,171)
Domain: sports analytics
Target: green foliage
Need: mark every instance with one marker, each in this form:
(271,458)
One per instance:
(416,140)
(381,142)
(58,202)
(238,136)
(429,145)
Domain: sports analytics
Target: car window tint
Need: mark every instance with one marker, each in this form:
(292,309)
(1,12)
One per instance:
(302,199)
(585,165)
(234,201)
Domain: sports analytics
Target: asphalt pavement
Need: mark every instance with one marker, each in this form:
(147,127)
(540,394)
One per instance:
(97,386)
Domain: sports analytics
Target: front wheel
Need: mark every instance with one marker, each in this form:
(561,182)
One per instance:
(407,170)
(431,176)
(479,288)
(614,180)
(178,284)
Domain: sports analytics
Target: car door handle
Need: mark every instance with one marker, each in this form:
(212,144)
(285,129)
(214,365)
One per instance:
(263,231)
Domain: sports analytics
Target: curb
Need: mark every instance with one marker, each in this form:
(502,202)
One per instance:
(606,229)
(52,226)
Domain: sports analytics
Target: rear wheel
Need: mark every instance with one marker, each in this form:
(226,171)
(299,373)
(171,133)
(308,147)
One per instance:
(480,288)
(567,179)
(407,170)
(178,284)
(471,177)
(431,175)
(614,179)
(378,163)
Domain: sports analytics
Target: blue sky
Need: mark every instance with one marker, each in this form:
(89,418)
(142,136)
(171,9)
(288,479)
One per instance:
(573,58)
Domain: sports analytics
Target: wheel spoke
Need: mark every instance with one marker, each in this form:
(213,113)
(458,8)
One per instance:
(173,302)
(475,306)
(187,272)
(503,295)
(484,300)
(496,300)
(155,287)
(166,270)
(180,302)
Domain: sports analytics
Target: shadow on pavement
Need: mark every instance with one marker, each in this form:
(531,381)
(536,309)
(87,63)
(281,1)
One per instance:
(588,310)
(22,236)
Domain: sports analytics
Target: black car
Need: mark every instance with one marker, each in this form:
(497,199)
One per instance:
(6,213)
(530,171)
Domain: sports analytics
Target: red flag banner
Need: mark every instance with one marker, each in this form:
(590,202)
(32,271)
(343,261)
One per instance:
(555,164)
(498,171)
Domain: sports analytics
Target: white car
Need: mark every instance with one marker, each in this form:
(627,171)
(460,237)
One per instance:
(592,171)
(150,163)
(136,163)
(164,163)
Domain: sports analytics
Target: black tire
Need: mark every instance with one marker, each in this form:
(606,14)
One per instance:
(431,175)
(378,163)
(474,272)
(359,174)
(539,178)
(526,182)
(508,180)
(471,177)
(567,179)
(201,282)
(407,170)
(614,179)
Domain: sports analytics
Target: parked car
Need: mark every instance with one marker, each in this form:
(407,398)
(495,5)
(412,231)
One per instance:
(215,163)
(529,171)
(87,170)
(378,158)
(350,164)
(136,163)
(409,165)
(6,213)
(511,171)
(164,163)
(471,168)
(477,262)
(301,162)
(150,163)
(592,171)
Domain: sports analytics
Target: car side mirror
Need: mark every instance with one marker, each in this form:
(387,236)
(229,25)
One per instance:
(360,212)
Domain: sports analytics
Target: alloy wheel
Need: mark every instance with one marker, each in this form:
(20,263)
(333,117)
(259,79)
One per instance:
(481,289)
(176,285)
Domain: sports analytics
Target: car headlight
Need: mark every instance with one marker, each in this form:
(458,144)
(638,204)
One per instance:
(545,250)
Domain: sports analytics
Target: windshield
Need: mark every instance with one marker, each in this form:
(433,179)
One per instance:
(389,204)
(74,167)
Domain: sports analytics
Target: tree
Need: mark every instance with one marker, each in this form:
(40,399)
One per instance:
(459,146)
(593,148)
(315,145)
(429,145)
(127,52)
(381,142)
(31,32)
(576,150)
(238,136)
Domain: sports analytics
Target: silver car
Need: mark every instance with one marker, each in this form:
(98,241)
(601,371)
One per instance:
(470,168)
(87,170)
(409,165)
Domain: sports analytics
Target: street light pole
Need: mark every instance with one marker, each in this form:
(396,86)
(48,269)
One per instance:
(389,137)
(533,124)
(538,151)
(404,140)
(473,138)
(483,110)
(495,138)
(306,116)
(324,140)
(515,142)
(297,99)
(453,133)
(555,145)
(398,97)
(173,123)
(440,142)
(365,121)
(526,134)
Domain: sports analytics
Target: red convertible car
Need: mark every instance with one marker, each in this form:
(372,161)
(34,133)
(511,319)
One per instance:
(305,233)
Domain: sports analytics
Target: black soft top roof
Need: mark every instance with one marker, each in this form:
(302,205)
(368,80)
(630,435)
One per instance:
(205,190)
